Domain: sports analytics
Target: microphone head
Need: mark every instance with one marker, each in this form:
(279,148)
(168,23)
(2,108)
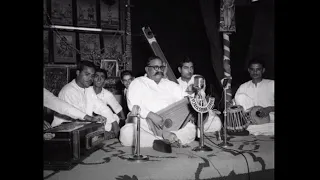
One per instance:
(198,82)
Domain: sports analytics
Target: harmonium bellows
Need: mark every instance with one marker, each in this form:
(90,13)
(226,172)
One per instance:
(71,142)
(179,112)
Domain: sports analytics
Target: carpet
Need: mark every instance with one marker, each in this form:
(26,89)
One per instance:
(111,162)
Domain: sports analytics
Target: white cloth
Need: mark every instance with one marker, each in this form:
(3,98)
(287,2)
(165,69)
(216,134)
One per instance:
(150,96)
(249,95)
(86,100)
(213,124)
(262,129)
(183,84)
(108,98)
(54,103)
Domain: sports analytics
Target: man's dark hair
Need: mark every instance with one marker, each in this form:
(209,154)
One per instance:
(103,71)
(82,64)
(256,61)
(126,72)
(152,58)
(185,59)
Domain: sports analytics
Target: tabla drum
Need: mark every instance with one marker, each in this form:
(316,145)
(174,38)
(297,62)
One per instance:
(254,116)
(237,120)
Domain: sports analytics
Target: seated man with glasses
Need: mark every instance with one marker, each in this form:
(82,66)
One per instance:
(152,93)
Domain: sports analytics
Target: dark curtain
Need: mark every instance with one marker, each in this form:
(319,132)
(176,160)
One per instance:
(210,10)
(262,40)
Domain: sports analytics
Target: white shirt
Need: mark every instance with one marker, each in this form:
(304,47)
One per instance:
(260,95)
(54,103)
(86,100)
(183,84)
(108,98)
(150,96)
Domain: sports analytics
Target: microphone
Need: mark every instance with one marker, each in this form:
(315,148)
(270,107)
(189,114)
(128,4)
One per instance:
(225,82)
(198,82)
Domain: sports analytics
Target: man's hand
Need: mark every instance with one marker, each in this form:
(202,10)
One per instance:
(99,119)
(190,89)
(263,112)
(115,128)
(155,118)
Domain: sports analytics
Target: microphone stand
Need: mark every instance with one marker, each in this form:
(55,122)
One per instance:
(202,147)
(225,144)
(137,157)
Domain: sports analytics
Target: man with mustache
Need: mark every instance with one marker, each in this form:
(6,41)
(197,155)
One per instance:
(83,98)
(152,93)
(257,92)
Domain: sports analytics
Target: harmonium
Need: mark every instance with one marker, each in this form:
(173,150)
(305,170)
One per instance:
(70,143)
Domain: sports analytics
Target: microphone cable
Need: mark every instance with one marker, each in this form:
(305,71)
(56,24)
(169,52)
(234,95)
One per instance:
(239,152)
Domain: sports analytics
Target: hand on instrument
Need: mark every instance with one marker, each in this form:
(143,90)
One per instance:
(46,125)
(263,112)
(154,117)
(135,110)
(190,89)
(99,119)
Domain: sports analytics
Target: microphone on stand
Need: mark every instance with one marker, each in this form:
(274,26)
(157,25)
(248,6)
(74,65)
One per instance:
(225,82)
(137,156)
(225,143)
(199,82)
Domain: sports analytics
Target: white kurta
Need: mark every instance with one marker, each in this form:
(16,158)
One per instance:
(150,96)
(108,98)
(213,123)
(249,95)
(86,100)
(54,103)
(183,84)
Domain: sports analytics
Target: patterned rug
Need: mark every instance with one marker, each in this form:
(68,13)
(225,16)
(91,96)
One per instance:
(250,157)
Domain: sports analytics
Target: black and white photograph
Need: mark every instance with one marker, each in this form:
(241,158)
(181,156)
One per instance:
(162,90)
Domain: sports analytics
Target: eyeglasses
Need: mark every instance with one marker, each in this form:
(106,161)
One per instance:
(156,68)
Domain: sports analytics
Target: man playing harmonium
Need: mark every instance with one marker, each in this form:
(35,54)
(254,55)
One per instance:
(85,99)
(153,93)
(212,123)
(54,103)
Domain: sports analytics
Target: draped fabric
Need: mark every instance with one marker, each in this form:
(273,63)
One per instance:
(262,39)
(210,18)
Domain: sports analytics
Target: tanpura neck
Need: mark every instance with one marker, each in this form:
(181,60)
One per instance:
(97,89)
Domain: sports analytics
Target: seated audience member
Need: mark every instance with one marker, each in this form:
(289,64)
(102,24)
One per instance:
(85,99)
(104,95)
(126,78)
